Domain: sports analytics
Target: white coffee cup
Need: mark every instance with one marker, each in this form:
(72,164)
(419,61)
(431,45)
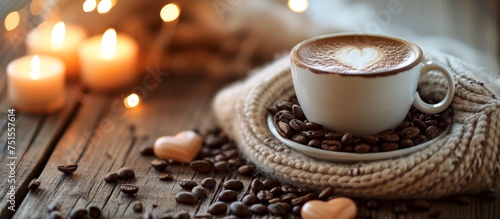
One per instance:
(362,98)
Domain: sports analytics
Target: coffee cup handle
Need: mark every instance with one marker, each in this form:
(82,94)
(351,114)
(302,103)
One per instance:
(443,104)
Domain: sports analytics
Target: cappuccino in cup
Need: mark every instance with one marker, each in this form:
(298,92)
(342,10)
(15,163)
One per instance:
(362,84)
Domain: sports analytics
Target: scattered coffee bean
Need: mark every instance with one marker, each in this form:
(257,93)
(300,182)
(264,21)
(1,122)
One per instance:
(249,199)
(313,126)
(401,208)
(159,164)
(187,184)
(111,177)
(288,188)
(129,189)
(276,191)
(275,200)
(301,139)
(220,157)
(78,213)
(331,145)
(284,130)
(315,143)
(94,211)
(303,199)
(264,196)
(125,173)
(208,183)
(202,166)
(372,205)
(297,125)
(147,150)
(259,209)
(270,183)
(297,209)
(420,205)
(228,196)
(286,118)
(284,105)
(239,209)
(246,170)
(182,215)
(272,110)
(55,215)
(326,192)
(221,166)
(217,208)
(186,198)
(233,185)
(165,177)
(288,197)
(462,199)
(34,184)
(405,143)
(137,206)
(200,192)
(277,209)
(54,207)
(432,132)
(68,168)
(362,148)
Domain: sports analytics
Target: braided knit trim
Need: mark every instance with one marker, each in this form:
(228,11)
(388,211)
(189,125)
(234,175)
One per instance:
(467,160)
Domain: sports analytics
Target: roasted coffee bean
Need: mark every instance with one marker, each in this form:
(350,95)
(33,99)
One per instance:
(297,209)
(316,134)
(228,196)
(264,196)
(284,105)
(419,139)
(283,129)
(246,170)
(249,199)
(332,147)
(54,207)
(187,184)
(300,139)
(221,166)
(348,149)
(297,125)
(277,209)
(326,192)
(432,132)
(276,191)
(442,125)
(208,183)
(228,146)
(288,197)
(111,177)
(125,173)
(259,209)
(235,162)
(211,160)
(362,148)
(462,199)
(277,116)
(217,208)
(94,211)
(372,205)
(186,198)
(315,143)
(129,189)
(147,215)
(220,157)
(288,188)
(201,166)
(333,135)
(420,205)
(402,126)
(303,199)
(182,215)
(374,149)
(420,124)
(147,150)
(165,177)
(256,186)
(200,192)
(270,183)
(272,110)
(391,137)
(233,184)
(304,190)
(405,143)
(389,146)
(78,213)
(401,208)
(286,118)
(410,132)
(68,168)
(159,164)
(431,123)
(215,141)
(314,126)
(331,143)
(287,206)
(55,215)
(347,138)
(239,209)
(297,112)
(137,206)
(34,184)
(370,139)
(434,213)
(488,195)
(274,200)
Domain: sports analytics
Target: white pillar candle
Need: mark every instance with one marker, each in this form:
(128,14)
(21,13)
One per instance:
(109,62)
(59,40)
(36,84)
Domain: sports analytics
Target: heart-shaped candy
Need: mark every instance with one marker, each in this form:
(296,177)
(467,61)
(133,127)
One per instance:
(337,208)
(359,58)
(182,147)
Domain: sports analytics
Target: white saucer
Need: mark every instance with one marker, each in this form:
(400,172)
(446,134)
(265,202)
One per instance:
(346,156)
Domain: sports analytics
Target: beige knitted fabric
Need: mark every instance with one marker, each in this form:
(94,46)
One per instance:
(467,160)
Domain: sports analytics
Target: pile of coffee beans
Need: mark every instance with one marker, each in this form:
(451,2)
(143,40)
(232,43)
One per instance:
(417,128)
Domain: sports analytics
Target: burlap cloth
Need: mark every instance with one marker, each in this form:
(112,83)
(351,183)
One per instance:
(465,161)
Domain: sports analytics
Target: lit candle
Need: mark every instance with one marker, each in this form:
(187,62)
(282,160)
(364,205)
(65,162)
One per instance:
(36,84)
(109,62)
(59,40)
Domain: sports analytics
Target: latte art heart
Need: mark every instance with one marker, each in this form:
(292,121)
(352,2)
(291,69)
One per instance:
(359,58)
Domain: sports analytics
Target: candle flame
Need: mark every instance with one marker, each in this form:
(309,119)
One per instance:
(132,101)
(108,44)
(58,35)
(170,12)
(12,20)
(298,6)
(89,5)
(35,68)
(104,6)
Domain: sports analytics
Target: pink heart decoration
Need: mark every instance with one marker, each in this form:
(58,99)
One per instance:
(182,147)
(337,208)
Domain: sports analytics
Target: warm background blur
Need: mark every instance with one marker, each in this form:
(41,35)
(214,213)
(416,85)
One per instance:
(228,38)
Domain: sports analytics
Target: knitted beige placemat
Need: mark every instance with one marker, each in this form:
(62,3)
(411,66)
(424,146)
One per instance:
(467,160)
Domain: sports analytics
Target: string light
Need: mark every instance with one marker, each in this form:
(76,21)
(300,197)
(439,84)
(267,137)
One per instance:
(298,6)
(131,101)
(12,21)
(170,12)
